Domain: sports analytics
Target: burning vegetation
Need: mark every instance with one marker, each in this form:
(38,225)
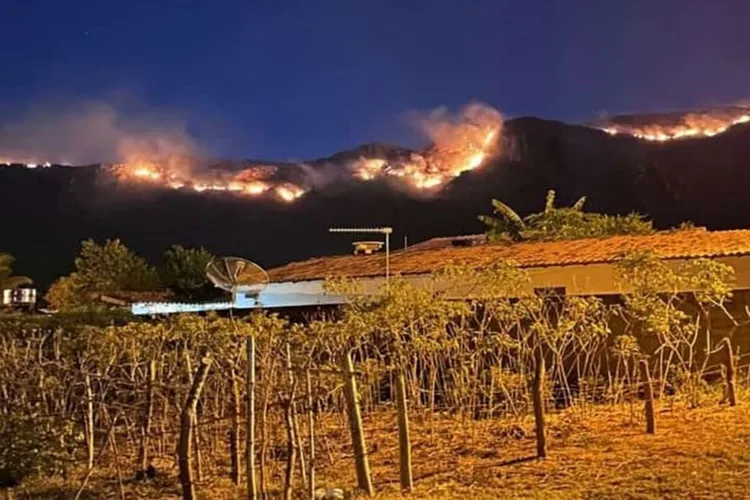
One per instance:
(458,144)
(254,180)
(676,126)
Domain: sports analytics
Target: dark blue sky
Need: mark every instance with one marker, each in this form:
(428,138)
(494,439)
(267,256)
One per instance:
(298,79)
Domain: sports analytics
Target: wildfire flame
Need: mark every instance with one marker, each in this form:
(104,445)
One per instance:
(245,182)
(690,126)
(458,144)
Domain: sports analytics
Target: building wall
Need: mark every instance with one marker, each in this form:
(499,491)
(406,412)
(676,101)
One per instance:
(601,279)
(590,279)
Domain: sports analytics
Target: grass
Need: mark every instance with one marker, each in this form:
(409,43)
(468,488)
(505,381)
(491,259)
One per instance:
(594,452)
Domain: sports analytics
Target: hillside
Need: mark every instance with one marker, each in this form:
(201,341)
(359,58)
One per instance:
(48,211)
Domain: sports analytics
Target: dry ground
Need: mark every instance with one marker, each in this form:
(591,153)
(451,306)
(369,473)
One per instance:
(597,452)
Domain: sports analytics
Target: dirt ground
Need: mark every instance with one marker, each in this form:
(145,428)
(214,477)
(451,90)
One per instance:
(595,452)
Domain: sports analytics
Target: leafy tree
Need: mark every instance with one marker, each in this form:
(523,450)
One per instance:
(7,280)
(102,268)
(670,306)
(112,266)
(559,223)
(65,293)
(185,269)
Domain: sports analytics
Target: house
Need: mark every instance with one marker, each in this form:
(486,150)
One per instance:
(576,267)
(18,297)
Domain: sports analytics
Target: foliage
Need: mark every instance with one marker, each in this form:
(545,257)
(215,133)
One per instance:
(465,340)
(111,267)
(7,280)
(185,269)
(670,307)
(102,268)
(28,447)
(555,223)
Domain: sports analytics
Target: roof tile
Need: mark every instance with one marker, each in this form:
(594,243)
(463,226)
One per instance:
(666,244)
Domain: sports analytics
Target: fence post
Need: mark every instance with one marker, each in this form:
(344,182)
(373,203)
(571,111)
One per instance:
(648,394)
(730,372)
(364,481)
(404,441)
(538,400)
(311,433)
(89,422)
(252,487)
(187,419)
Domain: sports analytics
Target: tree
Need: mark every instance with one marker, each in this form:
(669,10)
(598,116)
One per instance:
(671,306)
(555,223)
(102,268)
(112,267)
(7,280)
(185,269)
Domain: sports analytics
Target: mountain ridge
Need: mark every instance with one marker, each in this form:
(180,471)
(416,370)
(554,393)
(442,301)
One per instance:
(48,211)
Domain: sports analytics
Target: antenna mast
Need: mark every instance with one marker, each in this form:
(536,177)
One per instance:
(387,231)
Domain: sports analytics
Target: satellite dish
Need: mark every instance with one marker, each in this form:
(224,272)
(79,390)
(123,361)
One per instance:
(233,273)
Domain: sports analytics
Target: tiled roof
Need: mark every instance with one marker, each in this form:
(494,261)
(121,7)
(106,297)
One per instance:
(450,241)
(128,297)
(668,245)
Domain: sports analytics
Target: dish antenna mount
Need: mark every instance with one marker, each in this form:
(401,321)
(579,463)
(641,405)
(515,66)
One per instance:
(235,274)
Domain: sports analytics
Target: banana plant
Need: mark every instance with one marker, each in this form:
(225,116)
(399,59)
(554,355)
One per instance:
(505,222)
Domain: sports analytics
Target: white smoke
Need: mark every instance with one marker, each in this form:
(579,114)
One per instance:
(448,130)
(89,132)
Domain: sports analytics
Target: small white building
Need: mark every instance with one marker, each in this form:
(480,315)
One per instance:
(578,267)
(20,297)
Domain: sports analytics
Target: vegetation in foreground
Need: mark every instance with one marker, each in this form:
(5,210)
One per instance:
(411,390)
(598,452)
(123,405)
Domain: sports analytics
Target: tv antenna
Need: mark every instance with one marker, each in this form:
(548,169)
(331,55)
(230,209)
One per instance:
(387,231)
(233,273)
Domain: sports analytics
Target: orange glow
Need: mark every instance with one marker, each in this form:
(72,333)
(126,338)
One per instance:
(467,150)
(289,192)
(691,126)
(458,143)
(256,188)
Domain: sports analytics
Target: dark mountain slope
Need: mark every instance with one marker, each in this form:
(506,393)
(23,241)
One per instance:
(47,212)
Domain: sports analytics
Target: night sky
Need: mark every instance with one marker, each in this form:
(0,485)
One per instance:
(299,79)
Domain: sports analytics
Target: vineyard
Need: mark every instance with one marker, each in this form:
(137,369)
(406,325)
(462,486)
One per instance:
(407,392)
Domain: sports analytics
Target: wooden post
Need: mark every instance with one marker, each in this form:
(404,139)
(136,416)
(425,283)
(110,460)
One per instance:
(143,457)
(648,395)
(404,441)
(120,488)
(252,486)
(234,432)
(291,444)
(730,372)
(364,481)
(187,418)
(538,400)
(150,409)
(311,434)
(89,421)
(295,428)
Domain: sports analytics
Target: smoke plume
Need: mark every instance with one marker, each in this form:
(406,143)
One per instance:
(91,132)
(450,131)
(156,149)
